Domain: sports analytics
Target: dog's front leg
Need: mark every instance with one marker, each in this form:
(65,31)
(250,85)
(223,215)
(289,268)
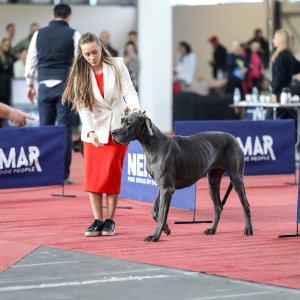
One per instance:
(164,205)
(155,211)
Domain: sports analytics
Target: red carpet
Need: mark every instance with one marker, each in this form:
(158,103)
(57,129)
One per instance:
(32,217)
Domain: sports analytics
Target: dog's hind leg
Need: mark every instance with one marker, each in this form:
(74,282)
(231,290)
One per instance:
(214,180)
(237,181)
(155,211)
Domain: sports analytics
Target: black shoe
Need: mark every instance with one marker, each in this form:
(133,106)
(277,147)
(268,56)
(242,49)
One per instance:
(108,227)
(95,229)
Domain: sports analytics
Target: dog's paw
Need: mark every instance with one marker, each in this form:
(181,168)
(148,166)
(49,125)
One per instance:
(210,231)
(248,230)
(167,230)
(151,238)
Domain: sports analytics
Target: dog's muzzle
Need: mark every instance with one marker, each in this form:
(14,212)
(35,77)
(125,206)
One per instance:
(114,134)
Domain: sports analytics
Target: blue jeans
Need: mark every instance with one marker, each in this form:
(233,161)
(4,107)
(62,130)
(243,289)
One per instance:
(51,112)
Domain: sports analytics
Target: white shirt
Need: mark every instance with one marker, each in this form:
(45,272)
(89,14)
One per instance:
(19,69)
(186,68)
(32,60)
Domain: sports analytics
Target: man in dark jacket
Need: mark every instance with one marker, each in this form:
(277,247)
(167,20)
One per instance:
(219,58)
(51,51)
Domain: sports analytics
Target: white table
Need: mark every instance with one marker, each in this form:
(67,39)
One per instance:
(274,106)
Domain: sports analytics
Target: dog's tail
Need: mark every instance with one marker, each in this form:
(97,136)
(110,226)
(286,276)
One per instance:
(229,189)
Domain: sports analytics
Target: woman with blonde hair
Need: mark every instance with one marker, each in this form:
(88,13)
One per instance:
(283,63)
(96,86)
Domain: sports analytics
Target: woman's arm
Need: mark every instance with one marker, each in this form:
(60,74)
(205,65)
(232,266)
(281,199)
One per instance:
(86,120)
(16,116)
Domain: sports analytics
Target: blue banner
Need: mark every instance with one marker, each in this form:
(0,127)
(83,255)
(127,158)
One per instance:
(138,185)
(31,156)
(269,146)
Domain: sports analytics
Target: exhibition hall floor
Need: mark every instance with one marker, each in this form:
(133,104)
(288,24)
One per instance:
(32,222)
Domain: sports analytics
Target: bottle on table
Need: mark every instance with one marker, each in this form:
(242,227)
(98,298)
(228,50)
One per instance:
(285,95)
(236,96)
(255,94)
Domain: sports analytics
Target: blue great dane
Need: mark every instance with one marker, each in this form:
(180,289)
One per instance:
(179,161)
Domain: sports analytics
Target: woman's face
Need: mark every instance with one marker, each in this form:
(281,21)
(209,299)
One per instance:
(92,53)
(277,40)
(5,46)
(255,47)
(181,49)
(130,50)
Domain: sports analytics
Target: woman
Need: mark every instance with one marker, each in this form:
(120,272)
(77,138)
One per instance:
(95,87)
(283,63)
(254,61)
(186,66)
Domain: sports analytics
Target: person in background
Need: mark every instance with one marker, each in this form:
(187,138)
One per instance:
(132,62)
(186,66)
(219,62)
(24,43)
(105,39)
(264,46)
(236,69)
(51,51)
(284,66)
(283,63)
(254,75)
(15,116)
(10,33)
(19,65)
(96,86)
(6,72)
(132,36)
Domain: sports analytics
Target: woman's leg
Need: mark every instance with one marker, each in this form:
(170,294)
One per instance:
(109,224)
(96,204)
(112,201)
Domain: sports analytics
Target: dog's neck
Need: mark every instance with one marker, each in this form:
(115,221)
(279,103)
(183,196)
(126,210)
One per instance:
(150,142)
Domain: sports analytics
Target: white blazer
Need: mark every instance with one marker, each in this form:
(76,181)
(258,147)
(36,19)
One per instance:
(107,113)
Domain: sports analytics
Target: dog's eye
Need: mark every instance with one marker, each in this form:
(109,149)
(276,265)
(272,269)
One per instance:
(122,121)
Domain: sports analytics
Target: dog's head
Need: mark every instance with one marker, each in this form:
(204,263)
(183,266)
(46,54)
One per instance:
(134,126)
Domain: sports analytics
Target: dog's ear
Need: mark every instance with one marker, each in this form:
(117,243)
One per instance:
(149,125)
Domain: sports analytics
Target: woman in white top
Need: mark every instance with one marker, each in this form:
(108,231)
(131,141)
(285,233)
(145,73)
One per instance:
(186,64)
(96,86)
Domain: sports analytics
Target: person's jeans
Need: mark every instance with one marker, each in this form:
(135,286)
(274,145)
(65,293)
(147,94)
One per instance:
(51,112)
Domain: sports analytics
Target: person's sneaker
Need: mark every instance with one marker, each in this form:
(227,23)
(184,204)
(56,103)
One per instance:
(95,229)
(68,181)
(108,227)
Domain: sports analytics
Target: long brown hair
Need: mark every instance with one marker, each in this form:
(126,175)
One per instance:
(286,42)
(78,89)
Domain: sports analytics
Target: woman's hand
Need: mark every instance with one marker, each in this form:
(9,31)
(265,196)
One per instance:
(94,139)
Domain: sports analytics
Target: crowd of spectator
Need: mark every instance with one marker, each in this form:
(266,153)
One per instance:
(241,65)
(244,65)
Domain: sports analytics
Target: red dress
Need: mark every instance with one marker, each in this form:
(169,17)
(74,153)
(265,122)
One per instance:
(103,165)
